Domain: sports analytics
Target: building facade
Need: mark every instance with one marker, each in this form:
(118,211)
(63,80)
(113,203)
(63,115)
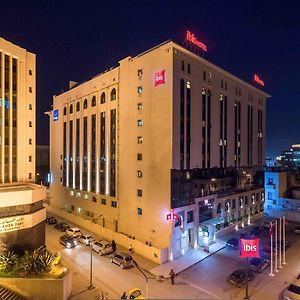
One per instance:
(21,212)
(290,159)
(142,146)
(42,164)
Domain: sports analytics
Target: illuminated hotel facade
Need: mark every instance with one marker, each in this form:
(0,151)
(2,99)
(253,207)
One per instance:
(164,147)
(21,210)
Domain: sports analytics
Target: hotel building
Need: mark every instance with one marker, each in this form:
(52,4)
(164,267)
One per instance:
(166,148)
(21,210)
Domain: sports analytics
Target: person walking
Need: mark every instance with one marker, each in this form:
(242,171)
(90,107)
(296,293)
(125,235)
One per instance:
(172,275)
(114,246)
(123,296)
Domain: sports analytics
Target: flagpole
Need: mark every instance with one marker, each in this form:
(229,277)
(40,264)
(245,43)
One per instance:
(276,250)
(280,244)
(271,232)
(283,224)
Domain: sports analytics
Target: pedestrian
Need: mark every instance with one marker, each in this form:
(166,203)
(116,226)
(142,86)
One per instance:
(172,275)
(123,296)
(130,249)
(114,246)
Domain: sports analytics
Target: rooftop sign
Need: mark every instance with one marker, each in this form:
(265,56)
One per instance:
(190,37)
(258,80)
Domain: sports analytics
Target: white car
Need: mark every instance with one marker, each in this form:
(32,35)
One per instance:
(73,232)
(296,229)
(292,292)
(85,239)
(102,247)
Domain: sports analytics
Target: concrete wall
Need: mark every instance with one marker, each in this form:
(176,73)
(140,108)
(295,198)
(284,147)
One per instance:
(41,289)
(156,255)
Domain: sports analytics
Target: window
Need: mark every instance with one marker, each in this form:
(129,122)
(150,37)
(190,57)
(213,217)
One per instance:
(139,174)
(189,69)
(30,72)
(102,98)
(140,106)
(113,94)
(30,124)
(30,158)
(269,195)
(30,141)
(94,101)
(65,111)
(30,106)
(113,204)
(226,85)
(85,104)
(182,65)
(190,216)
(139,156)
(103,201)
(233,203)
(71,109)
(140,123)
(240,92)
(78,106)
(204,75)
(30,89)
(139,211)
(222,83)
(139,72)
(140,140)
(94,199)
(209,77)
(30,175)
(219,208)
(139,193)
(139,90)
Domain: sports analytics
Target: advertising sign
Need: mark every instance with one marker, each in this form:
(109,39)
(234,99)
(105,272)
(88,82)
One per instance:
(55,115)
(159,78)
(190,37)
(249,248)
(258,80)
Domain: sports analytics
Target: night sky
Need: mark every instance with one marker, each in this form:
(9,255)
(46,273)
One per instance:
(75,40)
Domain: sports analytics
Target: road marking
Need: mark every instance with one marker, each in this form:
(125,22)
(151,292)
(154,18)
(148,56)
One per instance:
(201,289)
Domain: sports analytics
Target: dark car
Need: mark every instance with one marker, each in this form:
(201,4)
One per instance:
(245,235)
(233,243)
(51,220)
(258,264)
(256,231)
(62,226)
(238,277)
(67,241)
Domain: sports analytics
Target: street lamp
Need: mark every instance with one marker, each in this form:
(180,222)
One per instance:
(159,278)
(90,287)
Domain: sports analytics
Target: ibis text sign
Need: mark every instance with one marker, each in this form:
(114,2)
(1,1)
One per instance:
(159,78)
(249,248)
(191,38)
(258,80)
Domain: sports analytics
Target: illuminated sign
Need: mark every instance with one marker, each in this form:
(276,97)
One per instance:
(55,115)
(12,224)
(159,78)
(258,80)
(172,217)
(191,38)
(249,248)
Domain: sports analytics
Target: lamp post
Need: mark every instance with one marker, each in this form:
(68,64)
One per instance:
(90,287)
(159,278)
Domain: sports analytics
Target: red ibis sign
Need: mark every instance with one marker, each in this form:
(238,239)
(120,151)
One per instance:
(159,78)
(249,248)
(258,80)
(191,38)
(172,217)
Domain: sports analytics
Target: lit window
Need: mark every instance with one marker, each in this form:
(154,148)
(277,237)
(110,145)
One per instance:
(139,72)
(139,211)
(188,85)
(140,106)
(103,201)
(140,193)
(140,90)
(139,156)
(140,140)
(139,174)
(113,204)
(140,123)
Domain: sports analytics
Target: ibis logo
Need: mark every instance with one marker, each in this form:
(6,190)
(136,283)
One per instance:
(159,78)
(249,248)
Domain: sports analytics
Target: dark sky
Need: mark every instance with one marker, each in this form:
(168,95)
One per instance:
(75,40)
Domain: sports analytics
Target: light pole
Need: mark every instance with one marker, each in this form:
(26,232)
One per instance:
(90,287)
(159,278)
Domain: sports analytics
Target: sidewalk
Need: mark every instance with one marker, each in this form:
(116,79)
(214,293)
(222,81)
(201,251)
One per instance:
(191,257)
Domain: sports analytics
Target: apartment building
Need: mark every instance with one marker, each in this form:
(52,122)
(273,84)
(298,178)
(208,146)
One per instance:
(157,142)
(21,211)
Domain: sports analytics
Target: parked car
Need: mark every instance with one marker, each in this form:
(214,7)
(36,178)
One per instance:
(245,235)
(67,241)
(102,247)
(62,226)
(51,220)
(292,292)
(256,231)
(85,239)
(73,232)
(134,293)
(258,264)
(238,277)
(124,260)
(296,229)
(233,243)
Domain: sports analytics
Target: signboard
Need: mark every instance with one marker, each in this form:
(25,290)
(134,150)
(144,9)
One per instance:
(55,115)
(12,224)
(172,217)
(190,37)
(249,248)
(258,80)
(159,78)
